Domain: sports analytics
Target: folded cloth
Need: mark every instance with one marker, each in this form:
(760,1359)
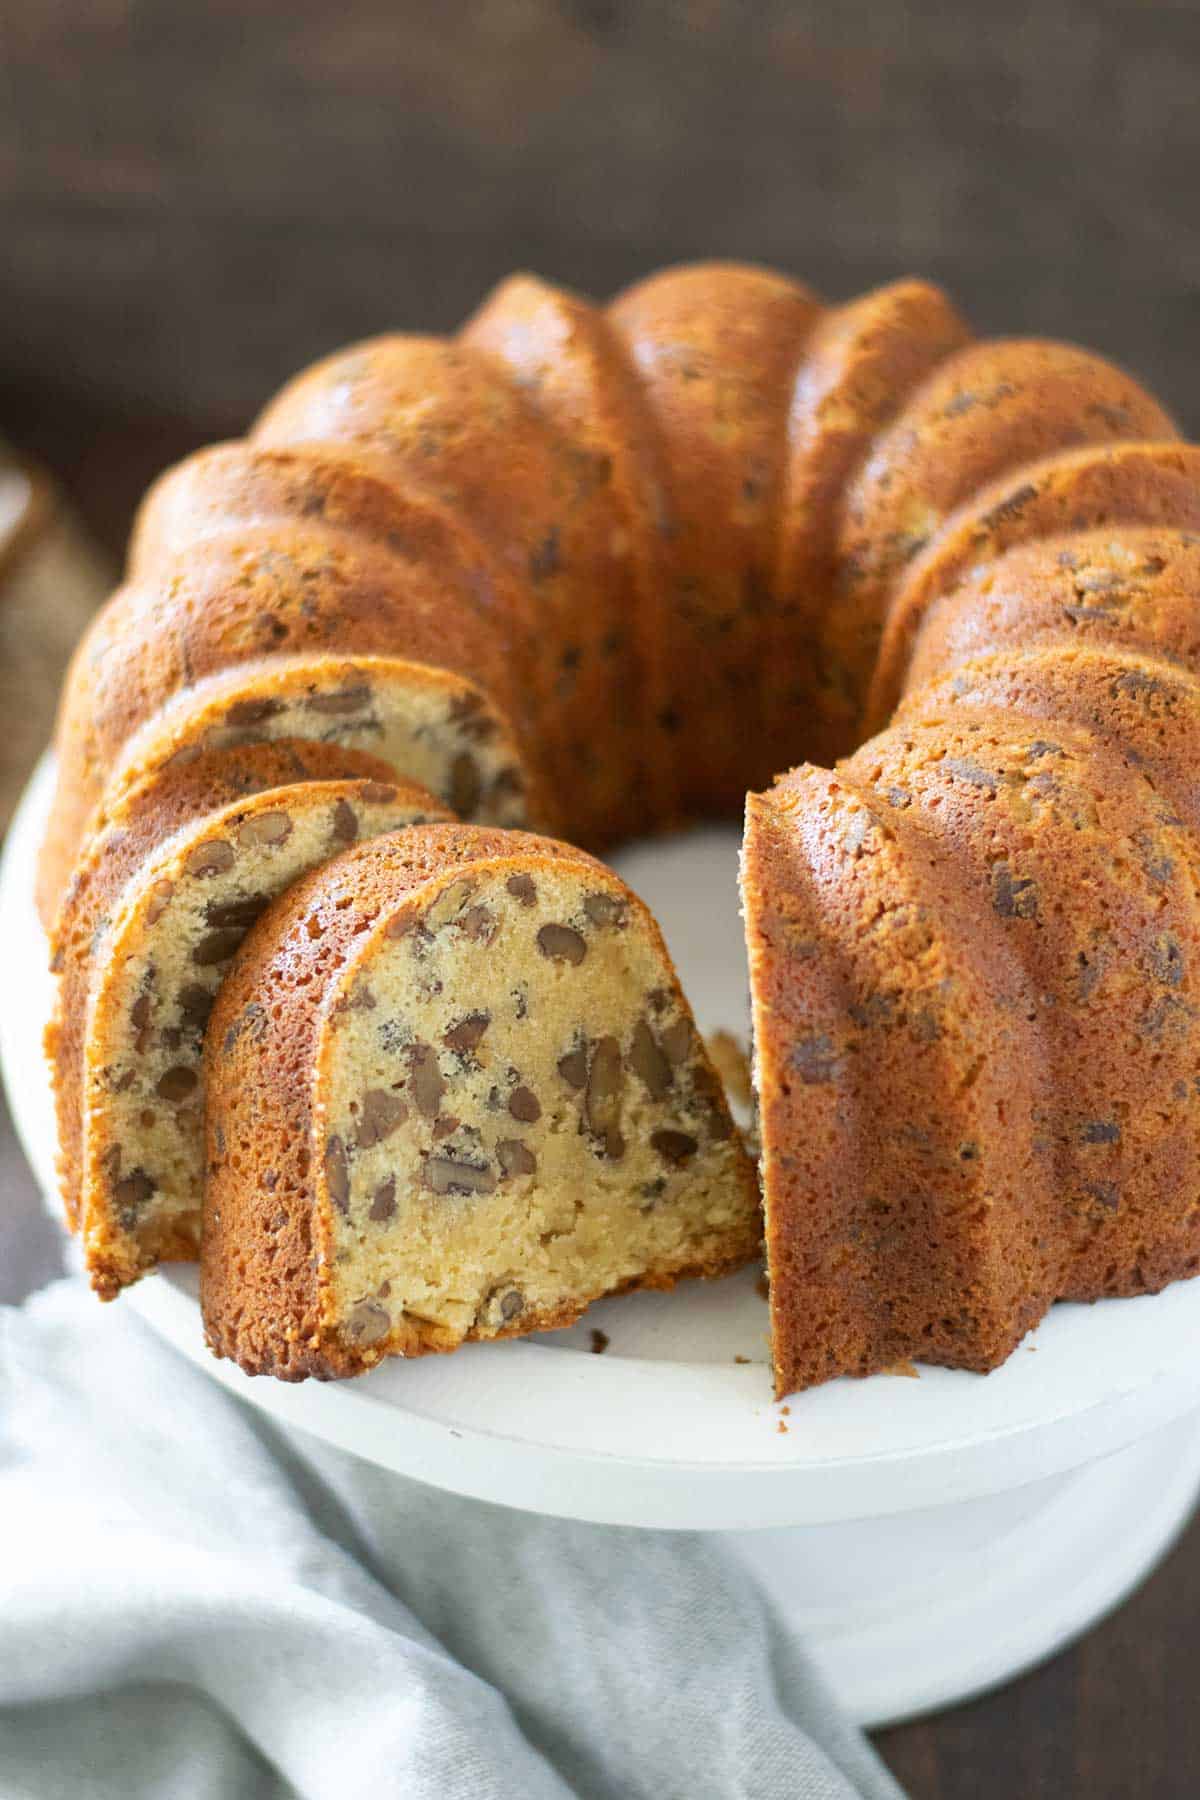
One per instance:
(196,1603)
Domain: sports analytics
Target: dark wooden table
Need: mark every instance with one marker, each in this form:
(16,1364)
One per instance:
(196,200)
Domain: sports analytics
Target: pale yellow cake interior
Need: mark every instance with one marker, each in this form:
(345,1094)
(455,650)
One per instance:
(166,954)
(514,1113)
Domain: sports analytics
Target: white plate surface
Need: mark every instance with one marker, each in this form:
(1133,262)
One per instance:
(674,1424)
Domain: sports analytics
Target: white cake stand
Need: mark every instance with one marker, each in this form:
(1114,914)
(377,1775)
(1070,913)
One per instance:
(929,1537)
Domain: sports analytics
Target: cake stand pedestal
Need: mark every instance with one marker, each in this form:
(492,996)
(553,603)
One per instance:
(928,1537)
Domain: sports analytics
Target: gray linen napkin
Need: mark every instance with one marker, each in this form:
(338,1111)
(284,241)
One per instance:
(196,1604)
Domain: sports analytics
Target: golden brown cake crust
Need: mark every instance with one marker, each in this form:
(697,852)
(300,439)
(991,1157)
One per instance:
(576,370)
(860,366)
(873,990)
(1102,487)
(717,345)
(994,407)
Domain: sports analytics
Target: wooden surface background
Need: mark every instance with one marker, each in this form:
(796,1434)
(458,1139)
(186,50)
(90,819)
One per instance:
(198,198)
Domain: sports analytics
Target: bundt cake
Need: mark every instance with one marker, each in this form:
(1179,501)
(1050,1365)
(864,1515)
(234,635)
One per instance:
(455,1092)
(598,572)
(185,861)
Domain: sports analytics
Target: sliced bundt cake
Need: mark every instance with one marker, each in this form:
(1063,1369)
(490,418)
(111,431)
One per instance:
(597,570)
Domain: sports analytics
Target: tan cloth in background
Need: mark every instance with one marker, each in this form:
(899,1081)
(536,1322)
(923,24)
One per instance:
(51,581)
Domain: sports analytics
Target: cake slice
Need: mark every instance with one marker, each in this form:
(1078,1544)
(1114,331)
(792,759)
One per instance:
(187,860)
(454,1091)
